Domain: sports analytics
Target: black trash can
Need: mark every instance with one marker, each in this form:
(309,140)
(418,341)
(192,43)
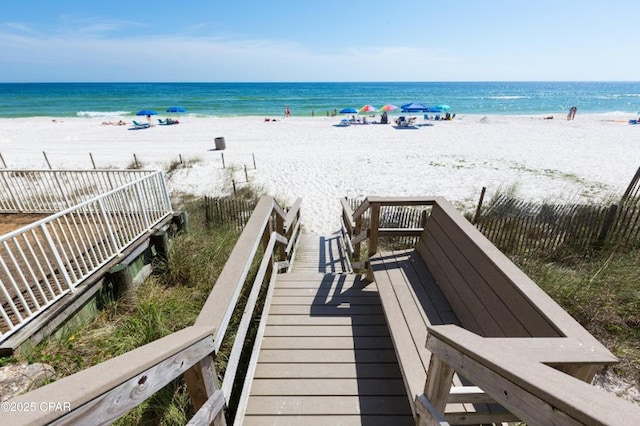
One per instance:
(220,144)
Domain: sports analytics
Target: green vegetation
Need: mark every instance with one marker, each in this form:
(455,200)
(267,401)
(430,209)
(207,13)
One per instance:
(603,294)
(167,301)
(182,163)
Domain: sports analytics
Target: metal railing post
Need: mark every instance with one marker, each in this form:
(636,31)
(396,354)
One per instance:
(57,257)
(114,243)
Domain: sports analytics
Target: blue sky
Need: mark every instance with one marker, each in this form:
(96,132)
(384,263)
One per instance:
(281,40)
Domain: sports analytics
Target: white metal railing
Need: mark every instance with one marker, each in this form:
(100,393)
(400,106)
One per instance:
(43,261)
(105,392)
(50,191)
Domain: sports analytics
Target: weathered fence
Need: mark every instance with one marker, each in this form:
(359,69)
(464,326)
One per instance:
(45,260)
(520,227)
(626,226)
(225,210)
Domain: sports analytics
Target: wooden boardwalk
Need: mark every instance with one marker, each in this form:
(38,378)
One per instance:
(326,356)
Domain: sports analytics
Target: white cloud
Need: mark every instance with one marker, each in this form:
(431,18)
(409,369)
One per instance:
(85,54)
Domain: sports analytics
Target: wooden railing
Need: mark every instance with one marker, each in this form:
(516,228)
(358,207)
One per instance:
(540,380)
(43,261)
(354,233)
(518,374)
(107,391)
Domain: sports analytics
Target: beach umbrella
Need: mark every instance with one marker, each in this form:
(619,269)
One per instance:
(414,107)
(389,107)
(176,109)
(348,111)
(146,112)
(367,108)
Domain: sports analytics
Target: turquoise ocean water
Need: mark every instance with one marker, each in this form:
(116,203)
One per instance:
(269,99)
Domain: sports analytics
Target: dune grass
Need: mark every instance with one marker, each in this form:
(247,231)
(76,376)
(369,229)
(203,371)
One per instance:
(168,301)
(602,293)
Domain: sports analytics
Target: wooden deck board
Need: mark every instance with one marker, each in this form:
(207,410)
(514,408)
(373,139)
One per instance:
(328,404)
(325,310)
(354,420)
(324,386)
(313,342)
(304,320)
(325,370)
(329,355)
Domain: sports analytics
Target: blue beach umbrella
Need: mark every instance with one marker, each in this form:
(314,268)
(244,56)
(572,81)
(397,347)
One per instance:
(348,111)
(146,112)
(414,107)
(176,109)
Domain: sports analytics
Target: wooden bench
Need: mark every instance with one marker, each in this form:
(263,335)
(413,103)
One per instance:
(456,276)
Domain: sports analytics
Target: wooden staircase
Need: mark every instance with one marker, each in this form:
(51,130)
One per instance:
(326,356)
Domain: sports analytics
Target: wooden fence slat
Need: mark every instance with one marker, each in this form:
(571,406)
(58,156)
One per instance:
(520,227)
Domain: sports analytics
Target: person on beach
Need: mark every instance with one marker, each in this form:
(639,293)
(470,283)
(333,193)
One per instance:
(572,113)
(287,111)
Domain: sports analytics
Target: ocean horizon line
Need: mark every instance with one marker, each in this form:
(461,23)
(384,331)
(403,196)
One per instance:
(319,81)
(66,99)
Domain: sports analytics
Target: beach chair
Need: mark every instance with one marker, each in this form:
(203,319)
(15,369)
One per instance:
(140,125)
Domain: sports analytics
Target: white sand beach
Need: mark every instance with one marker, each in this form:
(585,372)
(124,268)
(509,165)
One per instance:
(588,158)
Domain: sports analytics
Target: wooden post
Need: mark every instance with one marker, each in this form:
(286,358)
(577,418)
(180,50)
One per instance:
(160,240)
(606,226)
(375,224)
(233,182)
(438,385)
(201,384)
(92,162)
(135,161)
(476,217)
(122,281)
(222,156)
(246,175)
(180,157)
(356,248)
(3,163)
(184,225)
(254,161)
(282,255)
(46,159)
(207,215)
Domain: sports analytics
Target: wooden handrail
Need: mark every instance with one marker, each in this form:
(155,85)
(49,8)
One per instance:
(104,392)
(292,214)
(107,391)
(352,221)
(347,215)
(518,379)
